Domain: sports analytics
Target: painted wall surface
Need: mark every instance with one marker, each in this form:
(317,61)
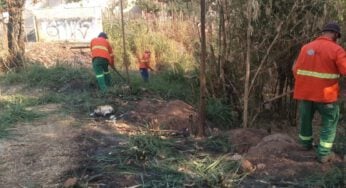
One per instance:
(68,24)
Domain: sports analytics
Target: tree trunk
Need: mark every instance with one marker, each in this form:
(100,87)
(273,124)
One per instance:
(202,77)
(125,59)
(247,68)
(223,49)
(15,33)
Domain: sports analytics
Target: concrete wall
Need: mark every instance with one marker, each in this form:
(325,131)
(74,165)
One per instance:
(67,24)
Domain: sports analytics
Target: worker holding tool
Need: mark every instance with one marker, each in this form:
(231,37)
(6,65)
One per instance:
(144,65)
(102,56)
(316,73)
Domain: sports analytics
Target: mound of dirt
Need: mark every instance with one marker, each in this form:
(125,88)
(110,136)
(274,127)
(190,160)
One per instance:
(281,156)
(174,115)
(276,144)
(243,139)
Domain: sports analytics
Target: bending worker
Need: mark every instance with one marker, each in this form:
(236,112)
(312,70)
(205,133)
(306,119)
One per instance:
(144,65)
(316,73)
(102,56)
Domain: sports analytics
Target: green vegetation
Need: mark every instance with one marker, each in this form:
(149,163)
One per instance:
(174,50)
(41,77)
(174,42)
(13,110)
(153,161)
(221,114)
(164,43)
(76,89)
(157,162)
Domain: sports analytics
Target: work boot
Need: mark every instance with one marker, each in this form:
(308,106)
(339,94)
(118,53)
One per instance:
(327,158)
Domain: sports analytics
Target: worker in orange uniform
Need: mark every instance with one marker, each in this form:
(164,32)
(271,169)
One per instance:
(316,73)
(102,56)
(144,65)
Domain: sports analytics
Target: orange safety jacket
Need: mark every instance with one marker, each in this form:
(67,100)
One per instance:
(100,47)
(317,70)
(144,62)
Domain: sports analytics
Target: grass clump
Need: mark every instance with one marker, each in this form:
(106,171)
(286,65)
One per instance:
(214,172)
(13,111)
(221,114)
(217,144)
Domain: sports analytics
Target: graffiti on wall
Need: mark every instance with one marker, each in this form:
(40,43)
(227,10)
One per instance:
(73,25)
(68,29)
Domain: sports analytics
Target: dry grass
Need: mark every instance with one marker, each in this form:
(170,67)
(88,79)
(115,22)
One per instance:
(3,60)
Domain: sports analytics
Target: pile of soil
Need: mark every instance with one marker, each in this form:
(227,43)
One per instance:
(277,156)
(162,115)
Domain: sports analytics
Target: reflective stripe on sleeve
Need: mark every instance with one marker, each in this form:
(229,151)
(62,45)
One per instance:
(317,74)
(99,76)
(106,72)
(99,47)
(305,137)
(326,144)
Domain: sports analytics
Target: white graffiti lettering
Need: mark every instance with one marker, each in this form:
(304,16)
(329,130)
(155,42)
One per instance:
(67,29)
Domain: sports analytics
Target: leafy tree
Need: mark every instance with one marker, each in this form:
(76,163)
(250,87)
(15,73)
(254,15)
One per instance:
(148,6)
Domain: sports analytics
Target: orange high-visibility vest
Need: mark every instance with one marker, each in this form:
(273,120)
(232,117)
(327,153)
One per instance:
(144,62)
(317,70)
(100,47)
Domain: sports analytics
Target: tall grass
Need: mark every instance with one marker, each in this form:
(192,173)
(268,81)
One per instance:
(166,50)
(39,76)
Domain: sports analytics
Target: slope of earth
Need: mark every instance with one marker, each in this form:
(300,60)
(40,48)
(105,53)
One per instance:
(278,160)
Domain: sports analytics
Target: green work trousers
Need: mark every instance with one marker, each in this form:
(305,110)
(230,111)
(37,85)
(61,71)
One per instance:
(100,66)
(330,116)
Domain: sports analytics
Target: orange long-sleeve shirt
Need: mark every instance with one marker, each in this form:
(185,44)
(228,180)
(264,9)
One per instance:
(100,47)
(317,70)
(144,62)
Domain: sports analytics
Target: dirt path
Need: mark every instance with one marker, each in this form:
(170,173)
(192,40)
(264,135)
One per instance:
(40,153)
(60,146)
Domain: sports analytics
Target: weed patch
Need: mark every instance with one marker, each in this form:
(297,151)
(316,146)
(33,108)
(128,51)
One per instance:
(156,162)
(39,76)
(15,113)
(221,114)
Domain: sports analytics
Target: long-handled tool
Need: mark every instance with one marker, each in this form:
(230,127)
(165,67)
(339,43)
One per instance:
(115,70)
